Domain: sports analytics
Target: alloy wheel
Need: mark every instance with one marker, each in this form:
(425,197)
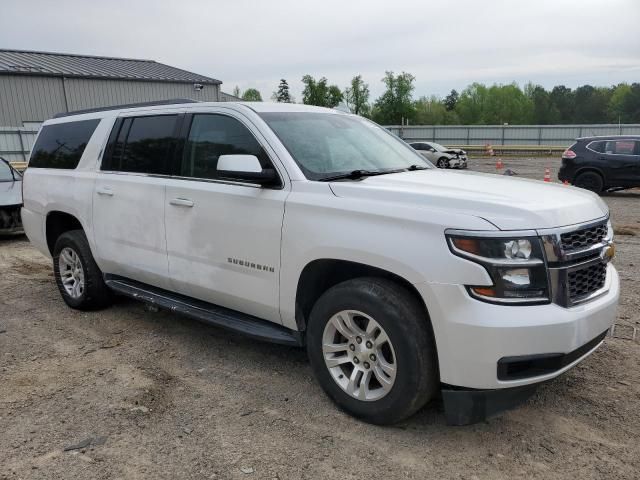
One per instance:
(71,272)
(359,355)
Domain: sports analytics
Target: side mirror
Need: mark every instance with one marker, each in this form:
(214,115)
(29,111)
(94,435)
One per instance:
(245,168)
(431,149)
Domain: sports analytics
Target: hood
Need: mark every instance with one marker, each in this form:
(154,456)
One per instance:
(10,193)
(454,151)
(507,202)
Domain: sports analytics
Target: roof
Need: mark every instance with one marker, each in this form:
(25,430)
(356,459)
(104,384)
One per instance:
(185,105)
(25,62)
(610,137)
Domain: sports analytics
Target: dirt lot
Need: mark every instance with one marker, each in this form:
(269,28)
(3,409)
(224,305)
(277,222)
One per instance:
(154,395)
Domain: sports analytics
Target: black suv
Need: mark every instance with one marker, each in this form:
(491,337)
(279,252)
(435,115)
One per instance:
(602,163)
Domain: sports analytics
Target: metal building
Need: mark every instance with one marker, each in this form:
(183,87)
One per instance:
(36,85)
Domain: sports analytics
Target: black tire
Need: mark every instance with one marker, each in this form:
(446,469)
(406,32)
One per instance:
(589,181)
(442,163)
(96,294)
(406,324)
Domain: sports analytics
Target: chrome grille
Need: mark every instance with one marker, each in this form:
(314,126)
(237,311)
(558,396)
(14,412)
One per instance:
(583,238)
(587,280)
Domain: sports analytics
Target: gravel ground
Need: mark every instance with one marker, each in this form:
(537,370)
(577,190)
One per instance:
(137,394)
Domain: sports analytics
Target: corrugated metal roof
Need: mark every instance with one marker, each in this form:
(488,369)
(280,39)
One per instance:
(87,66)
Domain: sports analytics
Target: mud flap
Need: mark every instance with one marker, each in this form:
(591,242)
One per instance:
(468,406)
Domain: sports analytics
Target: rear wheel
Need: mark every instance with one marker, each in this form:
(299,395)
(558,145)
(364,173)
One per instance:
(589,181)
(78,277)
(371,348)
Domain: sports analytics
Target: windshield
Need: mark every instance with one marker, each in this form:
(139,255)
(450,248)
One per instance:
(6,175)
(328,144)
(438,147)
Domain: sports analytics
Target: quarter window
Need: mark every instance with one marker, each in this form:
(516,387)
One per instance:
(213,135)
(143,145)
(597,146)
(61,145)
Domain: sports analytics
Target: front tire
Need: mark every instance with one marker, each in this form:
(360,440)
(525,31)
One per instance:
(442,163)
(371,348)
(79,279)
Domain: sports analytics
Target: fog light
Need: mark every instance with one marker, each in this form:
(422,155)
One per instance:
(517,277)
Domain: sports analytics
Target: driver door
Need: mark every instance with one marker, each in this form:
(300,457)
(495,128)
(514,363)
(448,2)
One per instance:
(223,237)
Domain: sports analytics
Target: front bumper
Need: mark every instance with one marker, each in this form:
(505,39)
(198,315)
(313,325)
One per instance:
(460,162)
(472,336)
(10,221)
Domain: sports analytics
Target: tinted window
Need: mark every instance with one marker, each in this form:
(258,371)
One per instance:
(597,146)
(213,135)
(143,145)
(620,147)
(62,145)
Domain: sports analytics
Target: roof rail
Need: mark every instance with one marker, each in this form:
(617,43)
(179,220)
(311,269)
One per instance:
(173,101)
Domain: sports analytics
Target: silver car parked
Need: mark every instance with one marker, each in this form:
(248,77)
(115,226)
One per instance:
(441,156)
(10,198)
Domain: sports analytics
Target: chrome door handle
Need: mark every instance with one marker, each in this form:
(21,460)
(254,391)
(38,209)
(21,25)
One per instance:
(105,191)
(182,202)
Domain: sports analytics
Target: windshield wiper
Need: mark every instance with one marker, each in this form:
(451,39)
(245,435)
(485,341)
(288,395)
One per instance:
(357,174)
(413,168)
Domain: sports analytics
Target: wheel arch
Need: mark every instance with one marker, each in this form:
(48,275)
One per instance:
(321,274)
(592,169)
(58,222)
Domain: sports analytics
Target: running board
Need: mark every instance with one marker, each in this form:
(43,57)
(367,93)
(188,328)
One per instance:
(205,312)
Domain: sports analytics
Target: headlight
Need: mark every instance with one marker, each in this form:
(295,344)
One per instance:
(515,264)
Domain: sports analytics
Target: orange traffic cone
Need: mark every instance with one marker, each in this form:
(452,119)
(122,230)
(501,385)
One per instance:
(547,175)
(499,164)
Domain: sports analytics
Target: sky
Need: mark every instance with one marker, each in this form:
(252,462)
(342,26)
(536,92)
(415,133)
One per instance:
(444,44)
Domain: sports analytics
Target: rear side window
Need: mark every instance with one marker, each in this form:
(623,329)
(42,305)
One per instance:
(620,147)
(61,145)
(597,146)
(213,135)
(142,145)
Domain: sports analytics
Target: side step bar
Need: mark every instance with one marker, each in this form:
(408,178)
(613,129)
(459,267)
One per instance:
(205,312)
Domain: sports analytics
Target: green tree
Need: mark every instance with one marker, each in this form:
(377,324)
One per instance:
(283,95)
(472,103)
(617,102)
(631,104)
(357,96)
(563,100)
(498,104)
(395,105)
(451,100)
(544,111)
(591,104)
(430,111)
(318,92)
(251,95)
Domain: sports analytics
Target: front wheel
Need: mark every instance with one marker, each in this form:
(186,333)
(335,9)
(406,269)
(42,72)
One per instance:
(442,163)
(371,348)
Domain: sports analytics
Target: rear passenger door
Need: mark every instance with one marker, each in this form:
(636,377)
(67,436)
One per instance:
(223,237)
(128,200)
(621,159)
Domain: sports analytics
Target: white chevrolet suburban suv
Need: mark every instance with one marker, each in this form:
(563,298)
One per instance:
(312,227)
